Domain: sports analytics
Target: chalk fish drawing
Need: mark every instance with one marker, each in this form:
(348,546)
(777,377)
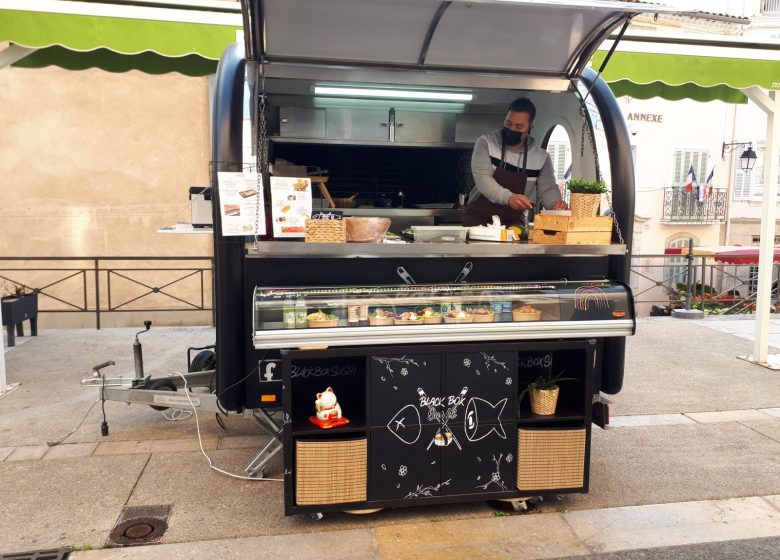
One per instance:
(480,408)
(406,424)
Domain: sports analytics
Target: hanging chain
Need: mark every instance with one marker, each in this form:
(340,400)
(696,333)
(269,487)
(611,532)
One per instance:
(586,131)
(262,152)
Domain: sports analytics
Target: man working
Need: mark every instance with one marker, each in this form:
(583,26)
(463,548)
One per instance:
(508,165)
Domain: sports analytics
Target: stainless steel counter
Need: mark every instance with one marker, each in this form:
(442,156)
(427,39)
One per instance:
(473,249)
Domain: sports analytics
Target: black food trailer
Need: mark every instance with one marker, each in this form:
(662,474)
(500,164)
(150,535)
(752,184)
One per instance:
(435,398)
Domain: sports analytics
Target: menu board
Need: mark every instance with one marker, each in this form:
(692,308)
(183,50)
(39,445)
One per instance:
(290,205)
(241,203)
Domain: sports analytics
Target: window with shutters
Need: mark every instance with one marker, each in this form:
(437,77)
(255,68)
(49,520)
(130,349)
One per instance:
(677,267)
(750,185)
(560,156)
(683,159)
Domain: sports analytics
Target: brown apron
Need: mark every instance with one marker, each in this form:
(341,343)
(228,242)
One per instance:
(481,211)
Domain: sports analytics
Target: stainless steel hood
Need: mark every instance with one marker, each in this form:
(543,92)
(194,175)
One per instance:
(546,41)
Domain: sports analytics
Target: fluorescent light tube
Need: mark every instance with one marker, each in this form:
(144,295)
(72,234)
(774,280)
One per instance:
(393,93)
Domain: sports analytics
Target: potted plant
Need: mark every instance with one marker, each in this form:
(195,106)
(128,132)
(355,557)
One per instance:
(18,304)
(585,196)
(543,393)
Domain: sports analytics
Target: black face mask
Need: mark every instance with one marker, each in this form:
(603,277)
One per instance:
(511,137)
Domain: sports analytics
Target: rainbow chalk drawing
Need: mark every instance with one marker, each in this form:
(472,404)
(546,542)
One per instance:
(587,296)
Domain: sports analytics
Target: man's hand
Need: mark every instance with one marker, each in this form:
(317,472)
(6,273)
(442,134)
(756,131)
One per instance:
(560,205)
(519,202)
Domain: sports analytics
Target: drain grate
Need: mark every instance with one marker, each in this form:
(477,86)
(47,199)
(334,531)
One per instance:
(53,554)
(140,525)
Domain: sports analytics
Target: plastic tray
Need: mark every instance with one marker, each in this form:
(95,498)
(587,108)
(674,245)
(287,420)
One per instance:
(440,234)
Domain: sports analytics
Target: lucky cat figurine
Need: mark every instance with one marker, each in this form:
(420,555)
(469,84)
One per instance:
(328,410)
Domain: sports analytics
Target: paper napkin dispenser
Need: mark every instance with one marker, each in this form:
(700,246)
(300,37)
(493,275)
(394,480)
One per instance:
(200,207)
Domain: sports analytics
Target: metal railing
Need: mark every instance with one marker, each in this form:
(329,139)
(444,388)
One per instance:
(683,206)
(661,280)
(770,7)
(100,285)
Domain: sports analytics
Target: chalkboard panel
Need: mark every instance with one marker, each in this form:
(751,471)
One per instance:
(346,376)
(484,462)
(401,380)
(531,365)
(402,469)
(487,383)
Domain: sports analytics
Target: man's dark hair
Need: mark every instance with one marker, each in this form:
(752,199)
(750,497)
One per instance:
(523,105)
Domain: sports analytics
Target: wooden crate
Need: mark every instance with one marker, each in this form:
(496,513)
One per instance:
(568,230)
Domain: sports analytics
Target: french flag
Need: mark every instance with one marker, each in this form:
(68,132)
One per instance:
(690,181)
(706,191)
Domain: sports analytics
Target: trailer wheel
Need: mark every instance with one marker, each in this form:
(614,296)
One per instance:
(161,385)
(203,361)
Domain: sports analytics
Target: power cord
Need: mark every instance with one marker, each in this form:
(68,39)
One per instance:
(200,441)
(73,431)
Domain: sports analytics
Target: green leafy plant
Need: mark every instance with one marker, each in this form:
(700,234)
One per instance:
(586,186)
(13,290)
(546,383)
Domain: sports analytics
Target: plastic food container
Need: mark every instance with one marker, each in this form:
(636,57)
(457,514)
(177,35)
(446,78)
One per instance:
(440,234)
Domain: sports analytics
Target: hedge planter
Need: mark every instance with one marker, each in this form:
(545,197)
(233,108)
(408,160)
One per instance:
(18,309)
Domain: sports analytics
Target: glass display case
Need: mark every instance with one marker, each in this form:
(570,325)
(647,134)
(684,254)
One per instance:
(356,315)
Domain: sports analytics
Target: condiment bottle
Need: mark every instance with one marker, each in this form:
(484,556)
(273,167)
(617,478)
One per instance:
(300,314)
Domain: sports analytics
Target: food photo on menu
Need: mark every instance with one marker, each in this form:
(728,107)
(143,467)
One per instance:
(290,205)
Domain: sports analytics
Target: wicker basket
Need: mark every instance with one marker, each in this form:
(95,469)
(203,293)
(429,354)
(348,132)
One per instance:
(550,459)
(326,231)
(543,401)
(584,205)
(330,471)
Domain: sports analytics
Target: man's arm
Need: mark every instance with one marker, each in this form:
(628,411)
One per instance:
(482,170)
(547,187)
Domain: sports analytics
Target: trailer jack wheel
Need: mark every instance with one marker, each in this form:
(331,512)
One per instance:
(161,385)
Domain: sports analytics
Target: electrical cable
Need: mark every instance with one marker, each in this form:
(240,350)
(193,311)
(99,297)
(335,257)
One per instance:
(73,431)
(257,367)
(200,441)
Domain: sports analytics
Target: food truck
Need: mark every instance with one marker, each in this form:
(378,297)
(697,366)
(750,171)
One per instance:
(404,371)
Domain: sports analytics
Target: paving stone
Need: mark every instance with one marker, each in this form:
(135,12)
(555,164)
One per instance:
(534,536)
(770,411)
(183,445)
(5,452)
(649,420)
(28,453)
(243,442)
(659,525)
(123,447)
(70,450)
(774,500)
(726,416)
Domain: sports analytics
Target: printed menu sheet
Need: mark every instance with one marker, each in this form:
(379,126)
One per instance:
(290,205)
(241,203)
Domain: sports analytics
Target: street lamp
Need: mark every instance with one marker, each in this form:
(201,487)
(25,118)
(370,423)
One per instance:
(748,158)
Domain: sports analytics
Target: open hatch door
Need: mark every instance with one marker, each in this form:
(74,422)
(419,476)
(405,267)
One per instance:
(541,44)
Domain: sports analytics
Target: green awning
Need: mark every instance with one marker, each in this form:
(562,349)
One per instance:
(117,44)
(678,76)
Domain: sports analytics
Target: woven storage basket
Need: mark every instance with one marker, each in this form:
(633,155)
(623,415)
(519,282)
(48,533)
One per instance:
(584,205)
(543,401)
(326,231)
(330,471)
(550,459)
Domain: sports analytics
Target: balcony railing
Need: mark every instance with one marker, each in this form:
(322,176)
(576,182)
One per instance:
(683,206)
(770,7)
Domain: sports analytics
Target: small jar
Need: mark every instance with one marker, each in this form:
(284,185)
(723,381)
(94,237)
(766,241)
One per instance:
(353,315)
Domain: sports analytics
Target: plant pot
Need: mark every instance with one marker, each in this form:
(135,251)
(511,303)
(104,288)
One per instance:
(543,401)
(584,205)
